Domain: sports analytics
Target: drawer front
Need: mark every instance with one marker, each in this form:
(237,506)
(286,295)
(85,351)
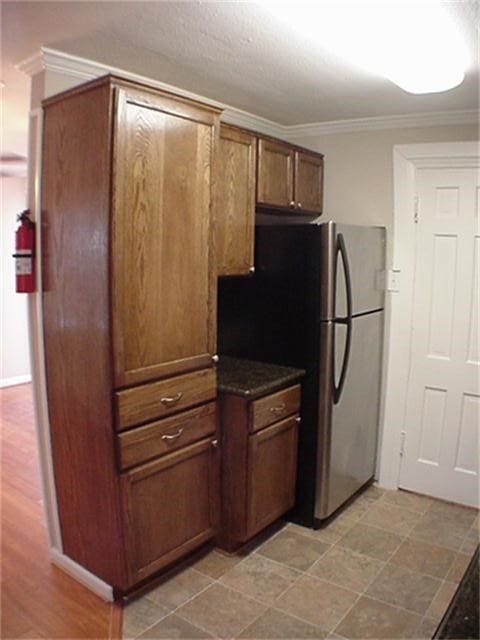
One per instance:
(164,436)
(159,399)
(274,407)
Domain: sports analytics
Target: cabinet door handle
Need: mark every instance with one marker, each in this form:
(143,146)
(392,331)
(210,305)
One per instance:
(214,443)
(292,204)
(299,205)
(172,436)
(168,400)
(278,409)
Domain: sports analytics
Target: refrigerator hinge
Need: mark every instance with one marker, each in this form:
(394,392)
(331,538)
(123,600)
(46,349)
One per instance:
(402,442)
(415,209)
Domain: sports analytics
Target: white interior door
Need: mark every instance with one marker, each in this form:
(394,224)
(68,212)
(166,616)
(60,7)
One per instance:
(440,453)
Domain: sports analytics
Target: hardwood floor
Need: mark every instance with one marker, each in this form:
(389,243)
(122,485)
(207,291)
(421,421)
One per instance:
(38,600)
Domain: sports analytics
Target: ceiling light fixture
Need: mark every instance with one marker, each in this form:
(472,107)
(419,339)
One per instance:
(414,44)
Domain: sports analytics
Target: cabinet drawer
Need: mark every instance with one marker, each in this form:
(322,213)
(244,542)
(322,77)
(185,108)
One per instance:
(274,407)
(158,399)
(167,435)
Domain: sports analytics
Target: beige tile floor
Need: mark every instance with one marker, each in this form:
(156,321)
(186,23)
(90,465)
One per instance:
(387,567)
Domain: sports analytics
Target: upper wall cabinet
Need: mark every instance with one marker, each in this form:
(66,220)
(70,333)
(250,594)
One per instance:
(288,177)
(163,295)
(235,201)
(275,173)
(308,182)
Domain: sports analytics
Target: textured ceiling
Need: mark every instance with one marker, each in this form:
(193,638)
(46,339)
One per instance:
(233,52)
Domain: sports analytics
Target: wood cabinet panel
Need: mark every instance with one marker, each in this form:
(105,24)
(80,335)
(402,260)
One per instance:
(171,507)
(163,291)
(275,173)
(162,398)
(272,463)
(235,201)
(76,313)
(308,181)
(129,297)
(164,436)
(274,407)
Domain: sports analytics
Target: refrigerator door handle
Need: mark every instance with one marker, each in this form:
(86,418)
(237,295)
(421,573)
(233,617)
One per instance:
(337,389)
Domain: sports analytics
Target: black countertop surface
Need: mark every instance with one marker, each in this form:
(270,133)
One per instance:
(461,618)
(253,379)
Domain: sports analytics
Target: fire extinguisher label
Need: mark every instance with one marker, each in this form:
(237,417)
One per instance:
(23,267)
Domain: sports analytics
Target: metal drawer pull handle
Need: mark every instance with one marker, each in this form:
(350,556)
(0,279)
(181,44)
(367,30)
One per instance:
(279,409)
(298,419)
(172,436)
(215,443)
(171,399)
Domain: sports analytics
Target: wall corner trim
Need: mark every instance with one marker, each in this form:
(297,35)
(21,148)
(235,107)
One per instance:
(89,580)
(84,69)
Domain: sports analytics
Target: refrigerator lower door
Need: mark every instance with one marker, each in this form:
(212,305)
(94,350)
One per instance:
(348,431)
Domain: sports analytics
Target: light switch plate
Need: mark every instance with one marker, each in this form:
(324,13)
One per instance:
(393,280)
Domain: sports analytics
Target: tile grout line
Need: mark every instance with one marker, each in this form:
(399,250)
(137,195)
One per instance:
(301,573)
(174,610)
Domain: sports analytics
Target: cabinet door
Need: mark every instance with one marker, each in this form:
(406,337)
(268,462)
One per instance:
(171,507)
(275,173)
(163,271)
(235,201)
(308,182)
(272,463)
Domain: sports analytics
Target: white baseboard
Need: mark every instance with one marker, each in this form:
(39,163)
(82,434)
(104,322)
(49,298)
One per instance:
(10,382)
(89,580)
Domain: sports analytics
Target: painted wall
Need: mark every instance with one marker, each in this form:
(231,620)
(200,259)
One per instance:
(359,168)
(15,359)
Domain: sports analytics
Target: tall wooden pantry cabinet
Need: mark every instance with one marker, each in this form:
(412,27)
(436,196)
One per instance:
(129,290)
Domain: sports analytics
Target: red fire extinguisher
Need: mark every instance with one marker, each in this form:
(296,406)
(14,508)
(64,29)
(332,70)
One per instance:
(24,254)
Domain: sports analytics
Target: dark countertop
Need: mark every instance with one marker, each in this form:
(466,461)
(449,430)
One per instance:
(461,618)
(253,379)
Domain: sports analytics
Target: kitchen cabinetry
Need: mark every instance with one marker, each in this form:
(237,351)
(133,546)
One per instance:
(289,177)
(275,173)
(259,455)
(235,201)
(129,297)
(171,507)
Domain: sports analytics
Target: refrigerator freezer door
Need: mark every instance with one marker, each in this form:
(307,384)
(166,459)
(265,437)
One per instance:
(365,247)
(348,430)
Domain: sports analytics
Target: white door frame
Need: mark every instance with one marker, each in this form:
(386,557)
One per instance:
(406,160)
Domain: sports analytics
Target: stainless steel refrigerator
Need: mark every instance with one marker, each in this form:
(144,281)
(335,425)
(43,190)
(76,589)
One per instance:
(316,302)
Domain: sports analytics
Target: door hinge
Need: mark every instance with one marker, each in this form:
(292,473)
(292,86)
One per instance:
(416,207)
(402,442)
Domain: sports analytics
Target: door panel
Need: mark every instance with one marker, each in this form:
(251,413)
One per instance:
(171,507)
(366,256)
(354,420)
(272,462)
(236,201)
(355,417)
(163,289)
(275,173)
(308,182)
(443,400)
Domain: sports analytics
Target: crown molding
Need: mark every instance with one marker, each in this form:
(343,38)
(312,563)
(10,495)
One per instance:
(52,60)
(407,121)
(83,69)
